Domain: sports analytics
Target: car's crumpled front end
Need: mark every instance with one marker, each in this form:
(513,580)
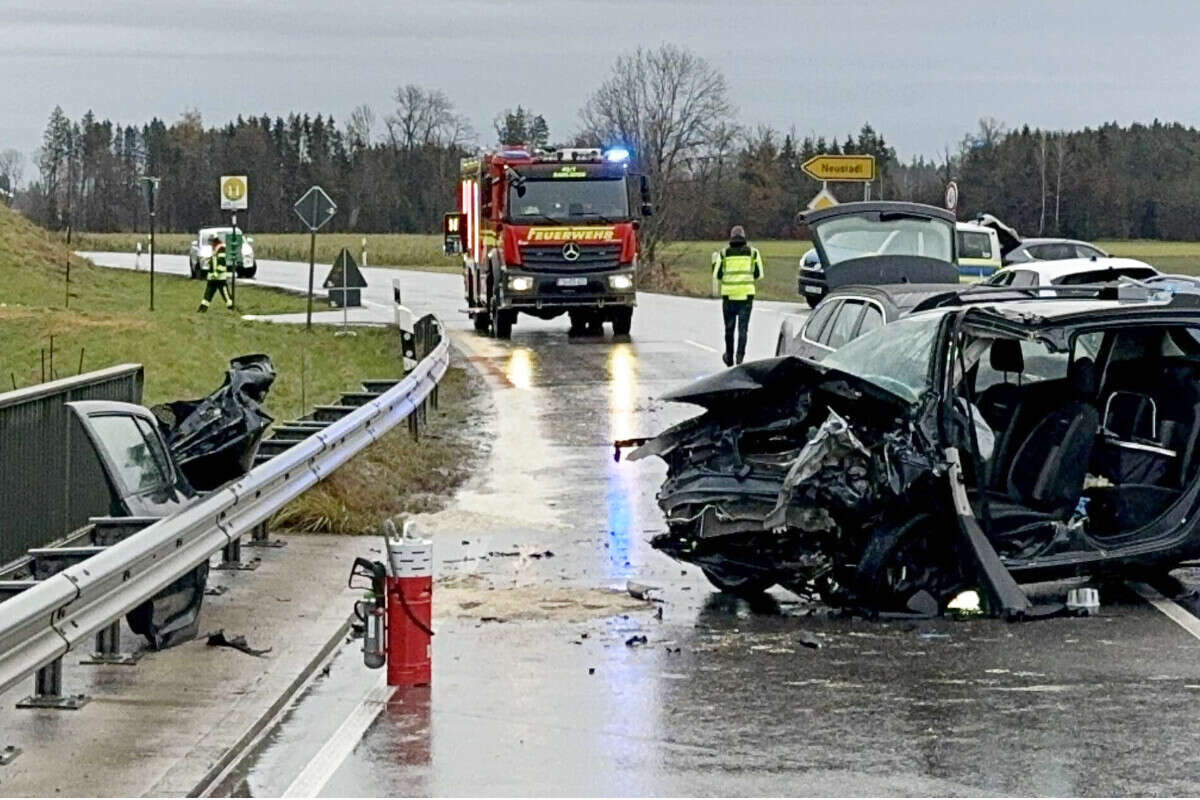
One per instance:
(789,475)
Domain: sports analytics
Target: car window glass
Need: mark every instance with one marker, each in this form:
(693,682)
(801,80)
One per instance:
(972,244)
(841,329)
(895,357)
(139,466)
(1041,364)
(812,330)
(872,319)
(1001,279)
(1023,277)
(1053,251)
(1087,251)
(155,444)
(863,235)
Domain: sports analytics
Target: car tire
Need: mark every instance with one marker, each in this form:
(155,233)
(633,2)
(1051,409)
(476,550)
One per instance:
(504,323)
(745,583)
(622,321)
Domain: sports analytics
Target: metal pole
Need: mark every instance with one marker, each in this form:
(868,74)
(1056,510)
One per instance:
(152,247)
(345,305)
(312,266)
(236,259)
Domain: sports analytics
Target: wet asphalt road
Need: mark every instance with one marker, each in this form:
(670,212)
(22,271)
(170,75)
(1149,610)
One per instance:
(724,698)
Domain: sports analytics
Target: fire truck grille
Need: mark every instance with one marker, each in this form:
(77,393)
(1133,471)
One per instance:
(592,258)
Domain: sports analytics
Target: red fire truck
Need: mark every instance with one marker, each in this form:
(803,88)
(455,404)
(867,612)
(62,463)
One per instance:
(546,233)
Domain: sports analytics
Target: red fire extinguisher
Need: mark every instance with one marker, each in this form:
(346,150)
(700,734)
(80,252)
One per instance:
(409,606)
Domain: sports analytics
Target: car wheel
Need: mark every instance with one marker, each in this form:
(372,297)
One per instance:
(742,583)
(504,323)
(900,562)
(622,322)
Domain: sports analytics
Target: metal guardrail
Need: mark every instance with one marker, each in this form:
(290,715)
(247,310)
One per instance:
(41,624)
(41,494)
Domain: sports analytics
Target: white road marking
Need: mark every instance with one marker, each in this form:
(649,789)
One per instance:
(1175,612)
(701,346)
(320,769)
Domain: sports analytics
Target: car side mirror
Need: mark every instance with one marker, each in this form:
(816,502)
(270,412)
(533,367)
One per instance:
(647,209)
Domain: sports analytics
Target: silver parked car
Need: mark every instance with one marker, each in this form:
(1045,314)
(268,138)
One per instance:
(201,251)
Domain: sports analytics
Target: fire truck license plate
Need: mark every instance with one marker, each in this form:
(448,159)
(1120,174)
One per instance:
(572,281)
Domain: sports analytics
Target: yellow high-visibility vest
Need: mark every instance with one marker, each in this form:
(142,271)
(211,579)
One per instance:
(216,265)
(736,273)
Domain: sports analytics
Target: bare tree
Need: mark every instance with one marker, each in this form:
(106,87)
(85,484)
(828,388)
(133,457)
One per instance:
(1061,157)
(425,117)
(360,127)
(1041,154)
(12,167)
(671,108)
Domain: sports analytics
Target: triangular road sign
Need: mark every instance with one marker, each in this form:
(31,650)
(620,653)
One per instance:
(345,264)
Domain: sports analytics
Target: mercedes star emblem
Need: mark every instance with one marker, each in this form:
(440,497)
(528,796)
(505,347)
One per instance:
(570,251)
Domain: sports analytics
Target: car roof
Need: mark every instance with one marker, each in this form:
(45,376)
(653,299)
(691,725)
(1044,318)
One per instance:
(1056,240)
(903,296)
(973,227)
(1053,270)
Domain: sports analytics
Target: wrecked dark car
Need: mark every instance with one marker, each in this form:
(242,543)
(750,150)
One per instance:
(993,441)
(214,440)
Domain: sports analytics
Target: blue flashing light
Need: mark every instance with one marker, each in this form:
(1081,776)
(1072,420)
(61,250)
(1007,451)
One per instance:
(616,154)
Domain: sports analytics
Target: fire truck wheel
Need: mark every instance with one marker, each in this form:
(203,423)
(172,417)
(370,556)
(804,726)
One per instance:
(578,323)
(482,322)
(622,321)
(504,323)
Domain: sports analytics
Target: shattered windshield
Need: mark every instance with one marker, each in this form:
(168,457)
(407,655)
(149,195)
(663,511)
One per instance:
(894,357)
(569,199)
(862,235)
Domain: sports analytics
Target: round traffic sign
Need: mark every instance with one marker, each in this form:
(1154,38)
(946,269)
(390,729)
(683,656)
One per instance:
(951,196)
(233,188)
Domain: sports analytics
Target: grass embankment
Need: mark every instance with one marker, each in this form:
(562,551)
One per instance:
(186,354)
(689,262)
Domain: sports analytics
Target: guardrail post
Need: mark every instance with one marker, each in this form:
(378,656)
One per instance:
(231,558)
(108,648)
(47,690)
(261,537)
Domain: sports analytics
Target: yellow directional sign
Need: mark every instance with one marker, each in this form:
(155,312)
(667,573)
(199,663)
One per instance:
(840,168)
(235,192)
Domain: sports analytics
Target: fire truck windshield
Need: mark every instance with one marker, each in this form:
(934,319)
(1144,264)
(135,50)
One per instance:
(569,199)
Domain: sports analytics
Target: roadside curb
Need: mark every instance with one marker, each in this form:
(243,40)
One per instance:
(269,719)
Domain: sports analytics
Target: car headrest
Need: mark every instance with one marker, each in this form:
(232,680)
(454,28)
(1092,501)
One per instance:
(1083,377)
(1005,356)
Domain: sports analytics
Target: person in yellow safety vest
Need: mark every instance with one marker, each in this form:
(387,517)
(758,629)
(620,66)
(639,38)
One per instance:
(735,271)
(218,276)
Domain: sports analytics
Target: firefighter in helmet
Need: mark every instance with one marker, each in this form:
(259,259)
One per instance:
(736,269)
(217,277)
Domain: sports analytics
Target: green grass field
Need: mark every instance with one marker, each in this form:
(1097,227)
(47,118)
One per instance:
(690,261)
(186,354)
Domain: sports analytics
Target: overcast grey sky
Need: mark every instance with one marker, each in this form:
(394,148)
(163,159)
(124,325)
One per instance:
(921,72)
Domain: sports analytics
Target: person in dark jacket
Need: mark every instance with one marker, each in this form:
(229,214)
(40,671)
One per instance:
(736,270)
